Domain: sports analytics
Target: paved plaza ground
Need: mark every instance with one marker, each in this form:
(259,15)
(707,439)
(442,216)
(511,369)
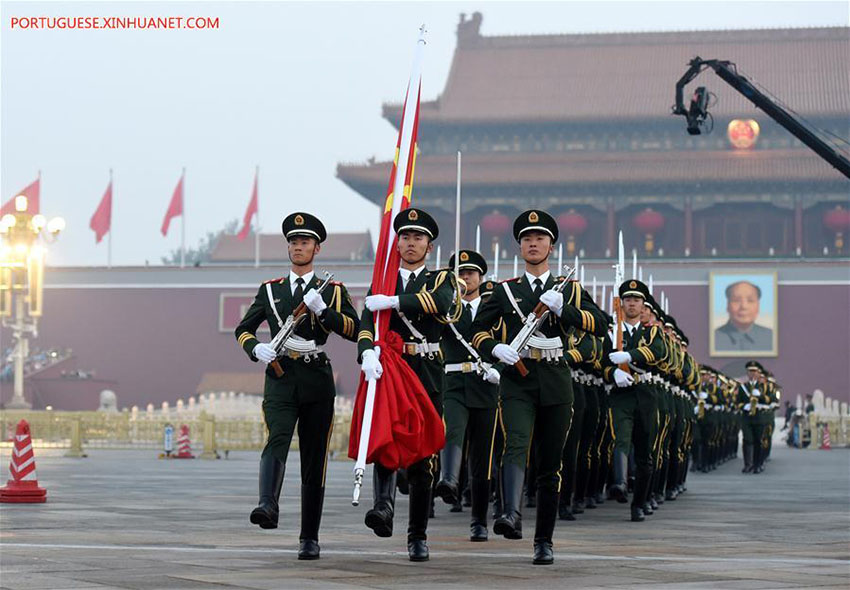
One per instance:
(123,519)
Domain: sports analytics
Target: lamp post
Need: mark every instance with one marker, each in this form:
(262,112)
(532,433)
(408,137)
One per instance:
(22,281)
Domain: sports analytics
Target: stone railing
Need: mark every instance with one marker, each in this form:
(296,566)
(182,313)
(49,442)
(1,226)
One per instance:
(209,435)
(829,420)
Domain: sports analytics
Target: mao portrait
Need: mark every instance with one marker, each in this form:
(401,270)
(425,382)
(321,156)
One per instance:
(743,314)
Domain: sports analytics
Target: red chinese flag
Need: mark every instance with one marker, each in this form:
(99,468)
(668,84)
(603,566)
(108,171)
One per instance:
(249,213)
(101,221)
(175,208)
(32,193)
(406,427)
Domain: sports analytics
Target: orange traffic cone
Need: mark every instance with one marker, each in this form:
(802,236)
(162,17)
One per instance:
(825,445)
(184,449)
(23,487)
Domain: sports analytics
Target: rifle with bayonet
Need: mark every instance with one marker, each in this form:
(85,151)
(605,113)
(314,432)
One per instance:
(619,270)
(534,321)
(287,329)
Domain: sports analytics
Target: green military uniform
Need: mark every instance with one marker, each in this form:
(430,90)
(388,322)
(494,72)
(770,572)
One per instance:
(541,402)
(582,351)
(752,395)
(471,405)
(424,301)
(634,408)
(304,395)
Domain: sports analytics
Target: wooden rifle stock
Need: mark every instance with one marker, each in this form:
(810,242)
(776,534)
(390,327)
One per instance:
(299,311)
(538,311)
(618,314)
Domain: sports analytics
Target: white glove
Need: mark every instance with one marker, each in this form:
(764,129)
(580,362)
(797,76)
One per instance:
(618,357)
(747,408)
(491,375)
(371,366)
(622,379)
(506,354)
(755,393)
(703,395)
(554,301)
(313,300)
(265,352)
(381,302)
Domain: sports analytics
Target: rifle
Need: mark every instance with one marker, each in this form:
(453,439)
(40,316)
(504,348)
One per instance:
(288,328)
(619,270)
(534,321)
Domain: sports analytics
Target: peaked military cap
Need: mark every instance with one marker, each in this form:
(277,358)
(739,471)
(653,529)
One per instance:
(469,259)
(754,365)
(535,220)
(303,224)
(652,304)
(416,220)
(634,288)
(487,287)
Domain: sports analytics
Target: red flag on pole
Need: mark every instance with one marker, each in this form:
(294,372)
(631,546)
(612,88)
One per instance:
(394,416)
(175,208)
(252,209)
(101,221)
(32,192)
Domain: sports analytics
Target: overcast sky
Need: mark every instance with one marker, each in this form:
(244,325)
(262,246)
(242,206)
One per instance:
(292,87)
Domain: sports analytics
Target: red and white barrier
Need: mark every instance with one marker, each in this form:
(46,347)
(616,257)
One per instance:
(184,447)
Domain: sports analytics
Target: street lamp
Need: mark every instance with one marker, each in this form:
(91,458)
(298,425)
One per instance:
(22,280)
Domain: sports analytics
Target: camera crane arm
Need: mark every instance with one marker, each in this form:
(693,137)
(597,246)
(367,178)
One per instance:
(727,71)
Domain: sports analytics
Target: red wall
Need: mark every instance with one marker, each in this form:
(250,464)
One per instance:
(156,343)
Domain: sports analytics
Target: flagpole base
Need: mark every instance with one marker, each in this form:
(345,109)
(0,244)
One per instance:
(358,483)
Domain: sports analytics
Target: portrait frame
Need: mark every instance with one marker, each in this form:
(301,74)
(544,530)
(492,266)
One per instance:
(762,339)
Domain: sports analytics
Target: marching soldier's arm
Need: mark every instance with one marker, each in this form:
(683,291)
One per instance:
(366,334)
(607,366)
(582,351)
(650,353)
(435,299)
(487,325)
(585,316)
(339,316)
(245,331)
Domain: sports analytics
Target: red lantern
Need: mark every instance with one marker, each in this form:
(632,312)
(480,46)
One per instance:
(496,224)
(649,222)
(573,224)
(837,220)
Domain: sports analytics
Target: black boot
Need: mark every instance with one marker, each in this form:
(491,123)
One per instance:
(447,487)
(544,526)
(565,512)
(271,480)
(479,490)
(509,523)
(637,514)
(748,459)
(643,477)
(417,527)
(380,517)
(621,469)
(312,499)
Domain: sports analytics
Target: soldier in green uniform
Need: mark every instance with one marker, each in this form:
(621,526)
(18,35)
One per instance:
(634,403)
(304,394)
(471,401)
(751,394)
(539,403)
(420,307)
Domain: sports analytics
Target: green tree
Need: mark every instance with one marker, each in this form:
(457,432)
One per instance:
(206,245)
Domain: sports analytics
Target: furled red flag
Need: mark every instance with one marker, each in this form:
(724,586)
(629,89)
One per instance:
(175,208)
(252,209)
(101,221)
(32,193)
(404,427)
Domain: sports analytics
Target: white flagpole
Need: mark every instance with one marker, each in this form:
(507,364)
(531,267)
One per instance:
(437,263)
(594,287)
(398,192)
(516,265)
(457,220)
(560,258)
(496,259)
(634,262)
(183,220)
(581,280)
(109,237)
(640,273)
(257,223)
(478,239)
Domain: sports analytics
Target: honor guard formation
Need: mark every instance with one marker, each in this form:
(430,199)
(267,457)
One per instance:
(548,400)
